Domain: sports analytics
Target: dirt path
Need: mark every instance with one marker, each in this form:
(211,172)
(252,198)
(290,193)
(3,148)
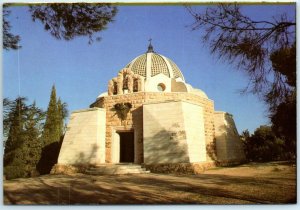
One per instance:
(247,184)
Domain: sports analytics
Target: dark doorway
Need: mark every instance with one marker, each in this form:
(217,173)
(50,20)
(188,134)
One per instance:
(126,147)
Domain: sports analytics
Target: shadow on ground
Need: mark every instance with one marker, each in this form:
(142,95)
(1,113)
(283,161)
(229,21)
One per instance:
(273,187)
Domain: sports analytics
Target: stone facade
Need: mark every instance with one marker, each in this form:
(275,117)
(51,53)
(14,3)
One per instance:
(135,116)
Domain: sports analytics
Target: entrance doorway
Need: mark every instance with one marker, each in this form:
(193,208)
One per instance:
(126,147)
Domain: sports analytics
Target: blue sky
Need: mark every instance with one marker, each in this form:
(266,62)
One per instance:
(81,71)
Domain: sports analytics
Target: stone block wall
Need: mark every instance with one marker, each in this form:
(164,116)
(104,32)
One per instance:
(165,138)
(229,146)
(207,104)
(194,127)
(84,141)
(180,168)
(134,119)
(173,133)
(133,122)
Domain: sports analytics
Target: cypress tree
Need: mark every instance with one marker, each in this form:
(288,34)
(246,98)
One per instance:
(52,133)
(51,128)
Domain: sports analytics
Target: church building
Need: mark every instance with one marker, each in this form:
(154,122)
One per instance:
(152,118)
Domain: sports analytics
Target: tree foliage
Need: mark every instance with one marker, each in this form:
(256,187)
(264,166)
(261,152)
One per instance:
(70,20)
(284,115)
(263,145)
(64,21)
(8,105)
(23,146)
(284,61)
(266,51)
(284,125)
(62,114)
(247,44)
(15,131)
(10,41)
(33,143)
(51,128)
(52,133)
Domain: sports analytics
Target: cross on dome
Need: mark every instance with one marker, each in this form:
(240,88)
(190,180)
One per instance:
(150,47)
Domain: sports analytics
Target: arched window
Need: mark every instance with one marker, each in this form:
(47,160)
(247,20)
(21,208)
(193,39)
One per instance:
(115,88)
(125,83)
(135,85)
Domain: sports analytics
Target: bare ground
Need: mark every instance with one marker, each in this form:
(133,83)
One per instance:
(255,183)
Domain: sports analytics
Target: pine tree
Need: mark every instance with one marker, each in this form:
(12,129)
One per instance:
(33,145)
(23,146)
(60,117)
(16,130)
(62,114)
(63,20)
(7,107)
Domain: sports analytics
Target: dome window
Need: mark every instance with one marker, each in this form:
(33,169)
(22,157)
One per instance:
(161,87)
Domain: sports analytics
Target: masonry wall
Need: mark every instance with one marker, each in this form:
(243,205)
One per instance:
(84,141)
(229,147)
(165,139)
(194,128)
(173,133)
(134,119)
(133,122)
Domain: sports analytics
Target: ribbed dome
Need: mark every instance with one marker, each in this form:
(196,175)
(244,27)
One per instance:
(151,64)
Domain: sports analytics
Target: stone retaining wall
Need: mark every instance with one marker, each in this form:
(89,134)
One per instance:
(180,168)
(69,169)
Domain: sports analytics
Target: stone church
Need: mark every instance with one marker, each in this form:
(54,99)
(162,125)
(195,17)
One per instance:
(150,116)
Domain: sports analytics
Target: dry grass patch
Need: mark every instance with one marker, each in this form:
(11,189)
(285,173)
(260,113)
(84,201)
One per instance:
(268,183)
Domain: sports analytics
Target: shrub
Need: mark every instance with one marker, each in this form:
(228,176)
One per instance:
(263,145)
(13,172)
